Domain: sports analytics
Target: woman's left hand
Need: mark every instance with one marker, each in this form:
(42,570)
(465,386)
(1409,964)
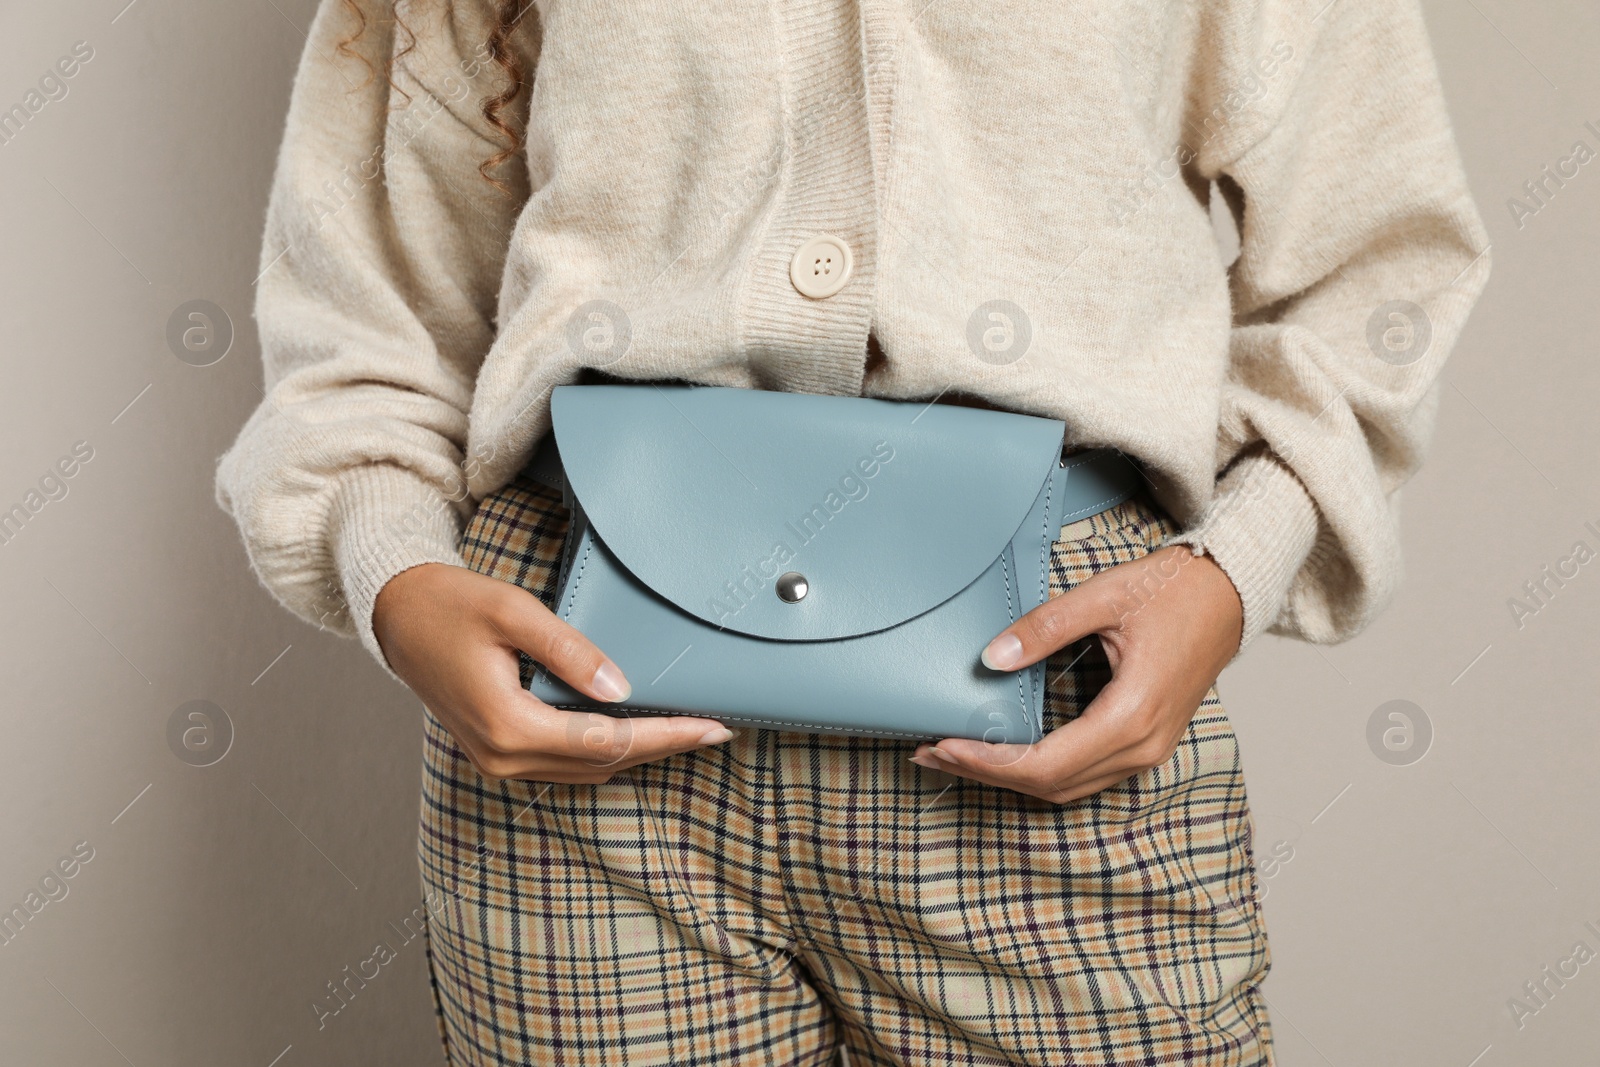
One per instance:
(1169,622)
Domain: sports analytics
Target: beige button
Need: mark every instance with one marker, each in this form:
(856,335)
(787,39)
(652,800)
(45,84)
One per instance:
(821,267)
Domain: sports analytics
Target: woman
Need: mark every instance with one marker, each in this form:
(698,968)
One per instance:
(476,202)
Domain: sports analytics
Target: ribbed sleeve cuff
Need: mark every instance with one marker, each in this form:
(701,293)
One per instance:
(1259,529)
(387,520)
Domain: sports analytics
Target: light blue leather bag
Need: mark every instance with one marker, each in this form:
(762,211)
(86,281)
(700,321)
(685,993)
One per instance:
(814,563)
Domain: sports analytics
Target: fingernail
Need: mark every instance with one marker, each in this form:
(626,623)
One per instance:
(1003,653)
(924,761)
(717,736)
(609,684)
(942,754)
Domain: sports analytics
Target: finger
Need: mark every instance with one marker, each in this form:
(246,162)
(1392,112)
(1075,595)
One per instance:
(1045,786)
(624,741)
(1078,790)
(541,743)
(563,650)
(1080,611)
(1146,753)
(1106,737)
(505,731)
(1104,729)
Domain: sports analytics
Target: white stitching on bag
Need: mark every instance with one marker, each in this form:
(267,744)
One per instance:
(572,599)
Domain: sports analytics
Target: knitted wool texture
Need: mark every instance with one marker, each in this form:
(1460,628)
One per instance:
(414,319)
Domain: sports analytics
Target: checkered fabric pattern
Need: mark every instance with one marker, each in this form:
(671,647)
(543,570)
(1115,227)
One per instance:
(798,899)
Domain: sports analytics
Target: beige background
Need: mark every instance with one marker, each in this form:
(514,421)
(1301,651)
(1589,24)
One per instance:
(1410,904)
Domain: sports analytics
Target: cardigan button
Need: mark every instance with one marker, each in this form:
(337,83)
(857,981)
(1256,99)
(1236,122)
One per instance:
(821,267)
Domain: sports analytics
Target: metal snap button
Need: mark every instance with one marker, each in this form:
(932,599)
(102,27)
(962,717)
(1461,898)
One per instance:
(792,587)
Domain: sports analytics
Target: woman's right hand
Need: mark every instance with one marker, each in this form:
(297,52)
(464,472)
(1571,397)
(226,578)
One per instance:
(452,635)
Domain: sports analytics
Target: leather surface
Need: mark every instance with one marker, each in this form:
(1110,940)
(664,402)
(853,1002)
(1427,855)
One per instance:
(677,491)
(707,495)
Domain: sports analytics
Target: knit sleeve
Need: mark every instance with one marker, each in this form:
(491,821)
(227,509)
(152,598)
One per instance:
(380,271)
(1361,254)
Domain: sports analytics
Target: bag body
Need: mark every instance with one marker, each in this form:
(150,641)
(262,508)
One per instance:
(814,563)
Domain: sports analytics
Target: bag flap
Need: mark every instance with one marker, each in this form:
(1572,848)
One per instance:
(709,495)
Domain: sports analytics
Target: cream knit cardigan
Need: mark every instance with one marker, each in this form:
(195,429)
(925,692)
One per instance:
(414,319)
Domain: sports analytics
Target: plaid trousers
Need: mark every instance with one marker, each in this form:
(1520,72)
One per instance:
(797,899)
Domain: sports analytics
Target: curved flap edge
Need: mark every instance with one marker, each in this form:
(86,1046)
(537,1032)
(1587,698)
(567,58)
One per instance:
(709,496)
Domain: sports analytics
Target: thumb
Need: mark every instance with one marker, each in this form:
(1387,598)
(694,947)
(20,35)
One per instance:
(561,648)
(1058,622)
